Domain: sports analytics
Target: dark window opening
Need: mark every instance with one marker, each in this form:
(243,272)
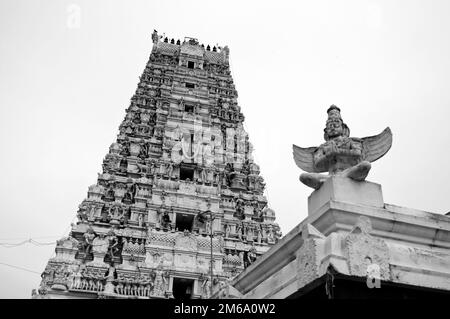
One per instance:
(189,108)
(192,145)
(184,222)
(182,288)
(190,85)
(186,173)
(190,64)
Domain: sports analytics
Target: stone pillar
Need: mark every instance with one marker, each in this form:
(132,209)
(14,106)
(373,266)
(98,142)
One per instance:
(343,189)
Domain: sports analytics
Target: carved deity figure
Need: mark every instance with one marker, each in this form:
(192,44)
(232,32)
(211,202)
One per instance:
(100,244)
(110,196)
(239,208)
(115,211)
(113,244)
(92,210)
(152,168)
(76,279)
(259,184)
(148,286)
(162,169)
(259,236)
(143,153)
(340,155)
(127,198)
(140,220)
(270,235)
(110,278)
(88,237)
(170,170)
(159,281)
(47,275)
(203,175)
(249,232)
(156,257)
(206,287)
(251,257)
(227,231)
(82,215)
(165,220)
(239,231)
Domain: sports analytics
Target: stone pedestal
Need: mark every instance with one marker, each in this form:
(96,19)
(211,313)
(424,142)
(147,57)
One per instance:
(343,189)
(98,258)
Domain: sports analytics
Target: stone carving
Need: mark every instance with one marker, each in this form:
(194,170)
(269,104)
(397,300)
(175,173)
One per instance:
(249,232)
(61,279)
(364,250)
(109,194)
(250,257)
(128,197)
(110,279)
(186,241)
(270,235)
(205,286)
(67,242)
(132,248)
(239,230)
(170,170)
(141,220)
(165,221)
(116,213)
(153,257)
(239,213)
(307,263)
(48,275)
(187,187)
(307,258)
(340,154)
(226,291)
(100,244)
(259,235)
(137,286)
(77,278)
(159,281)
(113,244)
(88,242)
(227,231)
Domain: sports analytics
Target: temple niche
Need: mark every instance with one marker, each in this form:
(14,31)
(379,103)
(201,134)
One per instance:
(179,193)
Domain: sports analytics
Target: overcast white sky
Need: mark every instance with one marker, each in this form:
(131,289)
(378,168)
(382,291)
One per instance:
(64,91)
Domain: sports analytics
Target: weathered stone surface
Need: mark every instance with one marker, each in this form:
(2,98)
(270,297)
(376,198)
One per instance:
(364,250)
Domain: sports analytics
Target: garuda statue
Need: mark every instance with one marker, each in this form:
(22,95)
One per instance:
(340,155)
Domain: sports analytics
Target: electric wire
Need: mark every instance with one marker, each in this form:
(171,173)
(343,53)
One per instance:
(20,268)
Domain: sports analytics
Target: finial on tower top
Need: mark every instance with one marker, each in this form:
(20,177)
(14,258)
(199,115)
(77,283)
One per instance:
(155,36)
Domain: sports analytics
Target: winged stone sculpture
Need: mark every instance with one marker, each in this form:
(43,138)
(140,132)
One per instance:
(340,155)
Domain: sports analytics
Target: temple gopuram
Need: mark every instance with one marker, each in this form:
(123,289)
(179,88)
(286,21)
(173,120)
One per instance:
(178,209)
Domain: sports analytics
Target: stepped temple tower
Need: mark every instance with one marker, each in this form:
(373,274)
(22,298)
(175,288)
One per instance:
(179,192)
